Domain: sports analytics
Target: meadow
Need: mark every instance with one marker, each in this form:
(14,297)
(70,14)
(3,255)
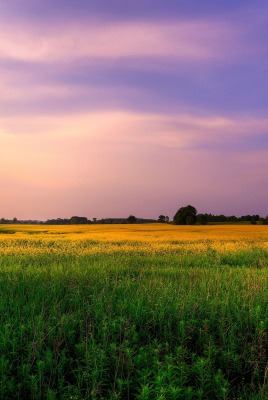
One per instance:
(133,312)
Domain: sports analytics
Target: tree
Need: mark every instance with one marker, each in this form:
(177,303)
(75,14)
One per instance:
(94,220)
(185,216)
(78,220)
(201,219)
(132,219)
(161,218)
(190,220)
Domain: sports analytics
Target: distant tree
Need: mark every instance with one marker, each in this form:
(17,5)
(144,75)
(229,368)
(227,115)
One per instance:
(15,221)
(185,216)
(78,220)
(58,221)
(161,218)
(253,222)
(94,220)
(167,218)
(201,219)
(2,221)
(190,220)
(263,221)
(231,218)
(245,218)
(132,219)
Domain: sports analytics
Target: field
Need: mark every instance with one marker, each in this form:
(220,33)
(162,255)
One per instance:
(133,312)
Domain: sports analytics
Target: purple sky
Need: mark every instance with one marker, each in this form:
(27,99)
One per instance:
(111,108)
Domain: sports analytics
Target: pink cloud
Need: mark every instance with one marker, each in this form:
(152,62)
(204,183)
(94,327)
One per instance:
(189,40)
(168,130)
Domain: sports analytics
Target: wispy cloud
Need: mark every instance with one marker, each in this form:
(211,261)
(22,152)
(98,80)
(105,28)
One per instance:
(167,130)
(189,40)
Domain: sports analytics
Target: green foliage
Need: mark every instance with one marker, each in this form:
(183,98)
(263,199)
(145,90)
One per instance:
(185,216)
(162,218)
(201,219)
(97,326)
(132,219)
(78,220)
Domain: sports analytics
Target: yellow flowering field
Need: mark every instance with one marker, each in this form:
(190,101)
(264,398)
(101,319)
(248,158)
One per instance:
(146,238)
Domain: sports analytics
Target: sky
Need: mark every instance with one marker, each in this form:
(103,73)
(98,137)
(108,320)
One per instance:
(111,108)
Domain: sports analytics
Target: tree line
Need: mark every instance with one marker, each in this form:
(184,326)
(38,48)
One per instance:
(186,215)
(83,220)
(76,220)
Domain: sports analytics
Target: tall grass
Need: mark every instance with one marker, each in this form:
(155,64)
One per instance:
(131,325)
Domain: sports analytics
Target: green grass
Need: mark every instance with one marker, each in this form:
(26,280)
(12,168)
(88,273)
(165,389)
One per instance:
(182,326)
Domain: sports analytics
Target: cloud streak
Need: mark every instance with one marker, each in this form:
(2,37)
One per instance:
(136,125)
(187,40)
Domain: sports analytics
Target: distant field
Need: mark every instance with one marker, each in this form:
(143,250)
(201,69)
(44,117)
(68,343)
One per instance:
(133,312)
